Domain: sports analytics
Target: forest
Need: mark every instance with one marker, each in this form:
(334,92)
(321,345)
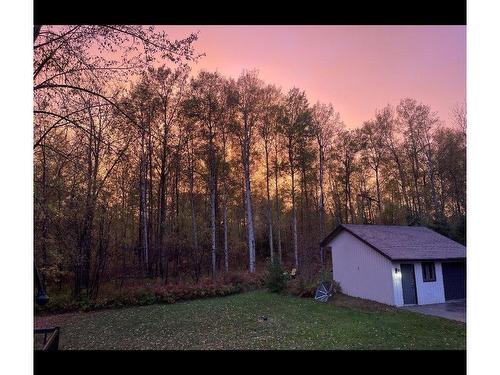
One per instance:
(144,169)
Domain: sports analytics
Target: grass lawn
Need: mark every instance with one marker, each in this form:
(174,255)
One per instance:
(234,322)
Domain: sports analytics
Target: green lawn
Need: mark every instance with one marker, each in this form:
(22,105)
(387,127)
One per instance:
(233,323)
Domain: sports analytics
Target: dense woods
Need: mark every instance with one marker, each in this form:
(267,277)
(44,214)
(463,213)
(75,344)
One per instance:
(144,169)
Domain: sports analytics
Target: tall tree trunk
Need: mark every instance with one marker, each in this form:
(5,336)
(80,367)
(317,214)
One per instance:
(213,209)
(175,211)
(269,211)
(294,225)
(430,169)
(193,208)
(402,178)
(224,194)
(196,248)
(456,194)
(415,173)
(150,206)
(143,209)
(321,201)
(346,191)
(379,202)
(305,223)
(278,210)
(294,211)
(249,210)
(162,198)
(351,207)
(45,216)
(85,245)
(226,243)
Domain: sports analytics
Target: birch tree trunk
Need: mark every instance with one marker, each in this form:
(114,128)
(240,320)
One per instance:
(294,210)
(379,202)
(430,171)
(212,225)
(224,193)
(193,210)
(321,200)
(249,210)
(226,245)
(401,174)
(415,173)
(269,212)
(278,210)
(213,202)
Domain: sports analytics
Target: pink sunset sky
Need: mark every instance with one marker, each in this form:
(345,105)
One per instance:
(357,68)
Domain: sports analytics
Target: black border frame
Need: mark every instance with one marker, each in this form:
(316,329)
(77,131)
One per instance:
(256,12)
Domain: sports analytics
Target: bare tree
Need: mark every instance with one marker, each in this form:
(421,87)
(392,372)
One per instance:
(326,123)
(373,150)
(70,60)
(268,124)
(459,117)
(143,107)
(207,104)
(295,120)
(249,106)
(346,148)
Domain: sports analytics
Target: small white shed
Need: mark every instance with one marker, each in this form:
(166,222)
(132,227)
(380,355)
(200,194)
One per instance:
(397,265)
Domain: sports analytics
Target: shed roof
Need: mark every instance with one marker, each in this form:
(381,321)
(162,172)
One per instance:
(398,242)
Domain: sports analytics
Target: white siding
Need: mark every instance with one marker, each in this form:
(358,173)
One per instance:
(360,270)
(398,288)
(427,292)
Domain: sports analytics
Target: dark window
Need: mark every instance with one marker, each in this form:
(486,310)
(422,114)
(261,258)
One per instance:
(428,271)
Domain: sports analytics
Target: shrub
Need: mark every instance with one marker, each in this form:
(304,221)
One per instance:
(276,277)
(305,286)
(234,278)
(299,287)
(152,292)
(336,288)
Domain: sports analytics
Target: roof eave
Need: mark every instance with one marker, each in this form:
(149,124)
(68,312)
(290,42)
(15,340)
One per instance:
(428,259)
(339,229)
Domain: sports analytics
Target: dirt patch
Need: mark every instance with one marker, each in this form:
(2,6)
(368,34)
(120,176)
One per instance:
(47,321)
(342,300)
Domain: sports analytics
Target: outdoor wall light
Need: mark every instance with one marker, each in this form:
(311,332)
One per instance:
(397,273)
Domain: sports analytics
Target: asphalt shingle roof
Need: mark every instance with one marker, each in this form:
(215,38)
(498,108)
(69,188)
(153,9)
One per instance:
(403,242)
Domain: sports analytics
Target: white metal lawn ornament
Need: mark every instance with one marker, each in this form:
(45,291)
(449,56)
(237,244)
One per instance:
(323,293)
